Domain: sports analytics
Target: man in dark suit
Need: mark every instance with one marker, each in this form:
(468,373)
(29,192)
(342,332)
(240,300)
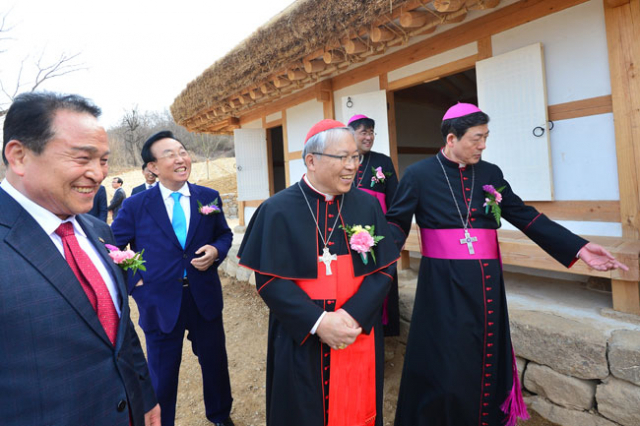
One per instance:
(118,197)
(69,354)
(149,180)
(99,208)
(184,234)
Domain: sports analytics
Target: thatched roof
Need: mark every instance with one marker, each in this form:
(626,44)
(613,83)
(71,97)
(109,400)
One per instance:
(307,27)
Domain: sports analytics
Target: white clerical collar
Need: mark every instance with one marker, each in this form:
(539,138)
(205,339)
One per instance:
(460,165)
(48,221)
(166,192)
(327,197)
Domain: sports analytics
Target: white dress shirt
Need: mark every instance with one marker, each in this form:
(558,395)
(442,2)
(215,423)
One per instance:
(49,222)
(184,201)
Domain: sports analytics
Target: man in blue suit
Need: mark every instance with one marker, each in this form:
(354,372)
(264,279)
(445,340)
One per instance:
(184,234)
(149,180)
(69,354)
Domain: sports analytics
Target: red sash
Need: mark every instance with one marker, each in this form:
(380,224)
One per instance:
(352,388)
(379,196)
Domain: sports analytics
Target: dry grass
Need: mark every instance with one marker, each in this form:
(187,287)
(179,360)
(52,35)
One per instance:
(221,176)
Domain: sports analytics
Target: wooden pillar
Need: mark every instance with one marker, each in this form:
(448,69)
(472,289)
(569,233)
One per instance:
(285,147)
(391,120)
(324,94)
(241,213)
(622,19)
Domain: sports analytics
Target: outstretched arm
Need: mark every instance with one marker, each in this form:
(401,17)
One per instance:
(598,258)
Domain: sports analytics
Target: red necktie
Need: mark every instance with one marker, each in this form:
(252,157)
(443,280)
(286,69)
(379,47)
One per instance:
(90,279)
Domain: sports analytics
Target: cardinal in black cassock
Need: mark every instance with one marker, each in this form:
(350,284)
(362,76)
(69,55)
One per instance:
(324,287)
(459,366)
(377,176)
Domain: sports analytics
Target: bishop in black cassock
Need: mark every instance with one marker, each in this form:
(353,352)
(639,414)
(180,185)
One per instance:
(459,366)
(377,177)
(325,355)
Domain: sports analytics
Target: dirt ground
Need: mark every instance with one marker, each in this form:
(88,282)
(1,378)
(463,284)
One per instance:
(245,321)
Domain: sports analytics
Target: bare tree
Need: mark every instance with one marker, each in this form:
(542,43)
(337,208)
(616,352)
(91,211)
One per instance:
(44,70)
(134,134)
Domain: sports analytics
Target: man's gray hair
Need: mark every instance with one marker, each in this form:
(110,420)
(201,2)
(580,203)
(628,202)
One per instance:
(319,142)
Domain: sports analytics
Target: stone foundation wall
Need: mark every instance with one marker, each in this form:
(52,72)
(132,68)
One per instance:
(578,375)
(230,205)
(575,372)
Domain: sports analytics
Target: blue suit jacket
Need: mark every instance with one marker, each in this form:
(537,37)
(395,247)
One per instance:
(143,222)
(57,366)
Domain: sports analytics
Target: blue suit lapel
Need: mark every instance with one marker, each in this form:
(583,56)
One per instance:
(28,239)
(194,221)
(115,271)
(154,204)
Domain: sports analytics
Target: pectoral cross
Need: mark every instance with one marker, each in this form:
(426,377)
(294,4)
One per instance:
(326,258)
(468,240)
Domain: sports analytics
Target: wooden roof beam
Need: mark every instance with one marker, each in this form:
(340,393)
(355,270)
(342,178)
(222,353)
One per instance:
(296,75)
(355,46)
(484,4)
(280,82)
(415,19)
(256,93)
(334,57)
(314,66)
(448,5)
(380,34)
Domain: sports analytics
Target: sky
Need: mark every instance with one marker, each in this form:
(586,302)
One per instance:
(136,53)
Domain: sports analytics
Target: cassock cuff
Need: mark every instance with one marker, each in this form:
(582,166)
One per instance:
(317,324)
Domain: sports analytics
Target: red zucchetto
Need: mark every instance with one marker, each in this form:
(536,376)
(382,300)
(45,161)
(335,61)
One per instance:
(322,126)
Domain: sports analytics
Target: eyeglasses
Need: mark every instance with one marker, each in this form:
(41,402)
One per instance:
(346,159)
(172,155)
(366,133)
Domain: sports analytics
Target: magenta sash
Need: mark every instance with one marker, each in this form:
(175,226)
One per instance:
(382,198)
(445,244)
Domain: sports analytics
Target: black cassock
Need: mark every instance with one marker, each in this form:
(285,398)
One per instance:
(282,246)
(458,367)
(384,193)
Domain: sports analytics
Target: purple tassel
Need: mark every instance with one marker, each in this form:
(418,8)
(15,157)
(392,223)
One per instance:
(514,405)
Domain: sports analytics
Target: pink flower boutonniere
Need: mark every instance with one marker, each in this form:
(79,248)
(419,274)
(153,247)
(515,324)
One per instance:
(126,259)
(492,199)
(379,176)
(362,239)
(211,208)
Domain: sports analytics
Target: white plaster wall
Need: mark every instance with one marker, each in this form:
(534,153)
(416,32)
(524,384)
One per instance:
(300,119)
(371,85)
(575,50)
(256,124)
(248,212)
(274,116)
(296,170)
(434,61)
(583,154)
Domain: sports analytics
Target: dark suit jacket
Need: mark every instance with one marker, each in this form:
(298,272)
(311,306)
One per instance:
(57,366)
(99,208)
(116,201)
(139,188)
(143,222)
